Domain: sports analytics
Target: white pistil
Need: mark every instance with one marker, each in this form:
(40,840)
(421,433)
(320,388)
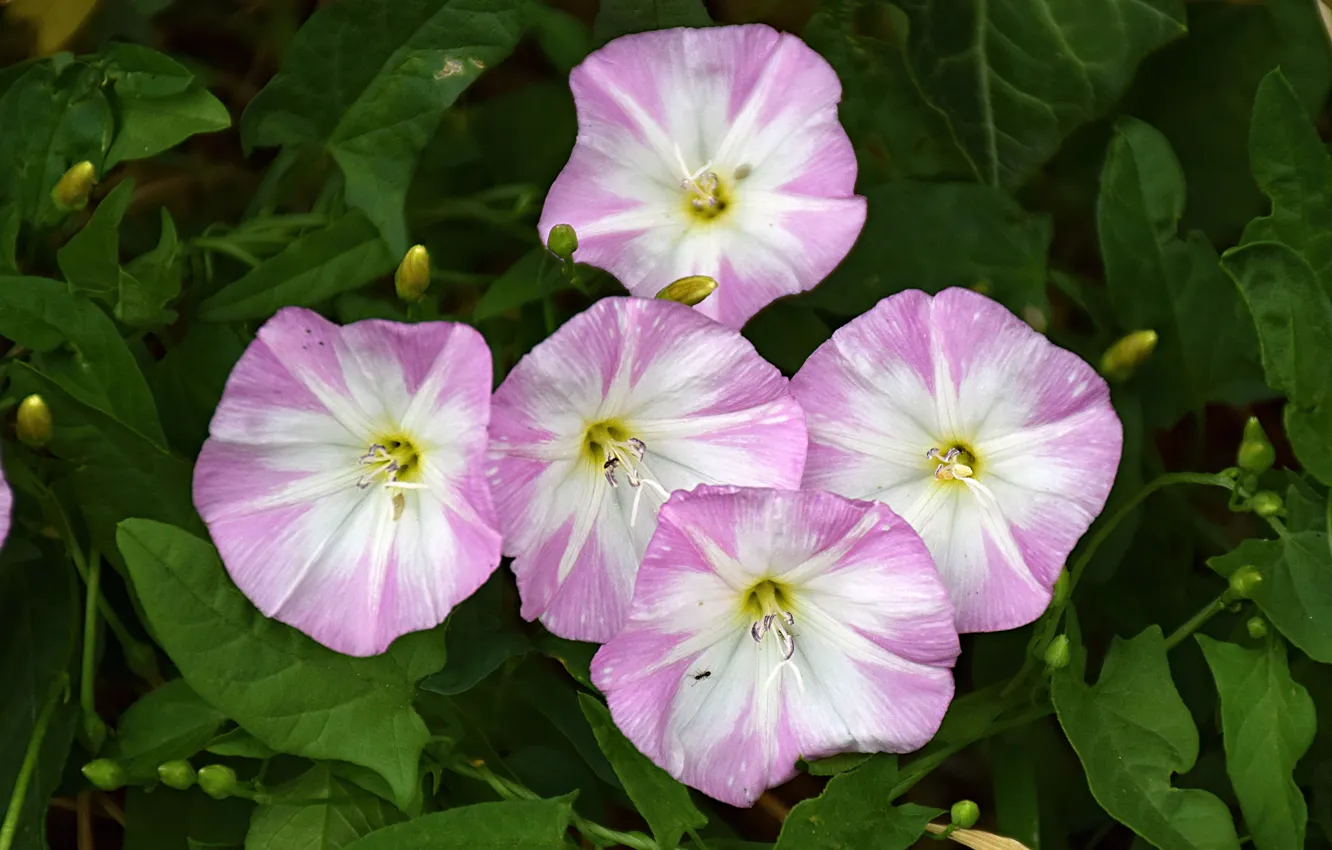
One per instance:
(703,183)
(950,469)
(779,624)
(628,456)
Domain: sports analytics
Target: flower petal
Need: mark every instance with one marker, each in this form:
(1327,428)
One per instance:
(917,373)
(277,481)
(873,626)
(6,506)
(753,105)
(707,408)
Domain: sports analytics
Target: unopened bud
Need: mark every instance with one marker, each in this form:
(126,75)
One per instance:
(105,774)
(1257,628)
(1123,358)
(562,242)
(1266,503)
(1256,454)
(965,814)
(34,421)
(176,774)
(1244,581)
(412,278)
(142,661)
(75,187)
(217,781)
(689,290)
(1057,654)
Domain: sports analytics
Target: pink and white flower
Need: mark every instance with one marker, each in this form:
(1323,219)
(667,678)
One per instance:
(343,480)
(771,625)
(997,446)
(6,506)
(594,428)
(709,152)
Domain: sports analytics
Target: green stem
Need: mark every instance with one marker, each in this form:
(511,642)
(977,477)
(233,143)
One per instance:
(10,826)
(547,303)
(87,686)
(226,246)
(510,790)
(1208,611)
(921,767)
(1108,527)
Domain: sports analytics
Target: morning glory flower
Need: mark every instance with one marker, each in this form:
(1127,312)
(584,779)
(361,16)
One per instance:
(709,152)
(997,446)
(770,625)
(6,506)
(343,480)
(596,426)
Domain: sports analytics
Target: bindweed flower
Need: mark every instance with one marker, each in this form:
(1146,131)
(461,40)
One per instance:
(343,478)
(6,506)
(997,446)
(772,625)
(592,430)
(710,152)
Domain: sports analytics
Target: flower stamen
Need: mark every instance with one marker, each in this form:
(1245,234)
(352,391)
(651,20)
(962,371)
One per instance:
(706,196)
(949,468)
(627,456)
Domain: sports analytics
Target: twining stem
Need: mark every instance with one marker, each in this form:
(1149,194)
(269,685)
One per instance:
(1049,622)
(20,793)
(1208,611)
(1108,527)
(87,686)
(223,245)
(510,790)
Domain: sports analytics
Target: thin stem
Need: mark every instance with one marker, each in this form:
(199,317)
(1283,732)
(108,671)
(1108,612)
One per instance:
(87,686)
(226,246)
(10,826)
(1277,525)
(547,304)
(83,808)
(1161,482)
(510,790)
(1210,610)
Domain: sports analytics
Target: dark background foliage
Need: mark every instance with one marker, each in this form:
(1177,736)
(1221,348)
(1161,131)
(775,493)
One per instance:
(1099,166)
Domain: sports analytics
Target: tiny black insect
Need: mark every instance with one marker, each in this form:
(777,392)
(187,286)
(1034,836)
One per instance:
(698,677)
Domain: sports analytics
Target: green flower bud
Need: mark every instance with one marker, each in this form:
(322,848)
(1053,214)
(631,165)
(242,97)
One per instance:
(562,242)
(1256,454)
(1123,358)
(689,290)
(34,421)
(177,774)
(1257,627)
(412,278)
(75,187)
(965,814)
(94,731)
(1244,581)
(141,658)
(1057,654)
(1266,503)
(106,774)
(217,781)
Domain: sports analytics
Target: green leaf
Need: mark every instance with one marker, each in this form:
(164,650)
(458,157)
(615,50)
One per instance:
(663,802)
(1016,76)
(90,260)
(138,71)
(833,765)
(1205,107)
(1268,722)
(317,811)
(1132,732)
(1157,280)
(98,370)
(169,722)
(512,825)
(343,256)
(163,819)
(897,134)
(10,221)
(158,275)
(935,235)
(240,744)
(854,811)
(39,630)
(288,691)
(369,82)
(146,127)
(574,656)
(1293,312)
(65,119)
(189,380)
(1294,593)
(481,634)
(557,700)
(520,284)
(621,17)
